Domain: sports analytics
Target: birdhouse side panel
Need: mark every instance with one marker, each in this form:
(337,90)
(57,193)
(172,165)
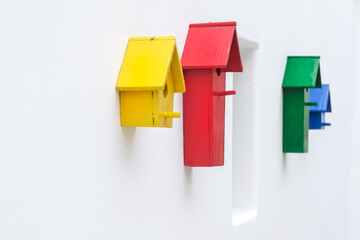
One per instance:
(217,120)
(136,108)
(166,100)
(306,117)
(155,108)
(295,124)
(196,117)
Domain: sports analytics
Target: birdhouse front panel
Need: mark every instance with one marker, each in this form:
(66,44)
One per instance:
(211,49)
(295,120)
(204,135)
(197,118)
(150,75)
(316,119)
(137,108)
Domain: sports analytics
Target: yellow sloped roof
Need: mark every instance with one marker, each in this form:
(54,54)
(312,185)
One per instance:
(146,63)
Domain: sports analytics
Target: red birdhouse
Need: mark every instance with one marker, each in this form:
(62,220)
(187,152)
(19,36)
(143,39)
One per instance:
(211,50)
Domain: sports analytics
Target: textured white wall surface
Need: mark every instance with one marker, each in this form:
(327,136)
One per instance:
(68,170)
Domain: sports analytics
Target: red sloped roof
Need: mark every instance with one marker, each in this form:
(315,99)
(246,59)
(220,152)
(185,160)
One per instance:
(212,45)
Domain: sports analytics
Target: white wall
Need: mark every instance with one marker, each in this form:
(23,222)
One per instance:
(68,170)
(354,194)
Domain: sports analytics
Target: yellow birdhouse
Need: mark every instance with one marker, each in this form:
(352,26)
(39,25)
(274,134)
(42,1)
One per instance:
(150,75)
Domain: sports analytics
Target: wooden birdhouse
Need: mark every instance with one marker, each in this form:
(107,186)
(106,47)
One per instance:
(211,50)
(301,73)
(321,96)
(150,75)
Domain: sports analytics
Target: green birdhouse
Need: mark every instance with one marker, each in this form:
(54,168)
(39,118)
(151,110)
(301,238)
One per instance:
(301,73)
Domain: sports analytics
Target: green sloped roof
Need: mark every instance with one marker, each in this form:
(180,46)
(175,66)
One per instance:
(302,71)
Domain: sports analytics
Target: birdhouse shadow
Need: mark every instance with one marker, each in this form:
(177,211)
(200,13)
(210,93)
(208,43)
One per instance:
(129,135)
(284,162)
(188,172)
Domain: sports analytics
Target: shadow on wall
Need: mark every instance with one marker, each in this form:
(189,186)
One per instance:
(127,132)
(284,163)
(245,149)
(188,178)
(129,136)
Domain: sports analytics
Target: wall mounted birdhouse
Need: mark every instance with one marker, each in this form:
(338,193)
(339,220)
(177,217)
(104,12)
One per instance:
(321,96)
(211,50)
(301,73)
(150,75)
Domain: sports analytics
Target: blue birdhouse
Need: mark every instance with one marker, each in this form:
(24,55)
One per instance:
(317,113)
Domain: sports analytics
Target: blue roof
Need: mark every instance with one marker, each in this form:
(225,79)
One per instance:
(322,97)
